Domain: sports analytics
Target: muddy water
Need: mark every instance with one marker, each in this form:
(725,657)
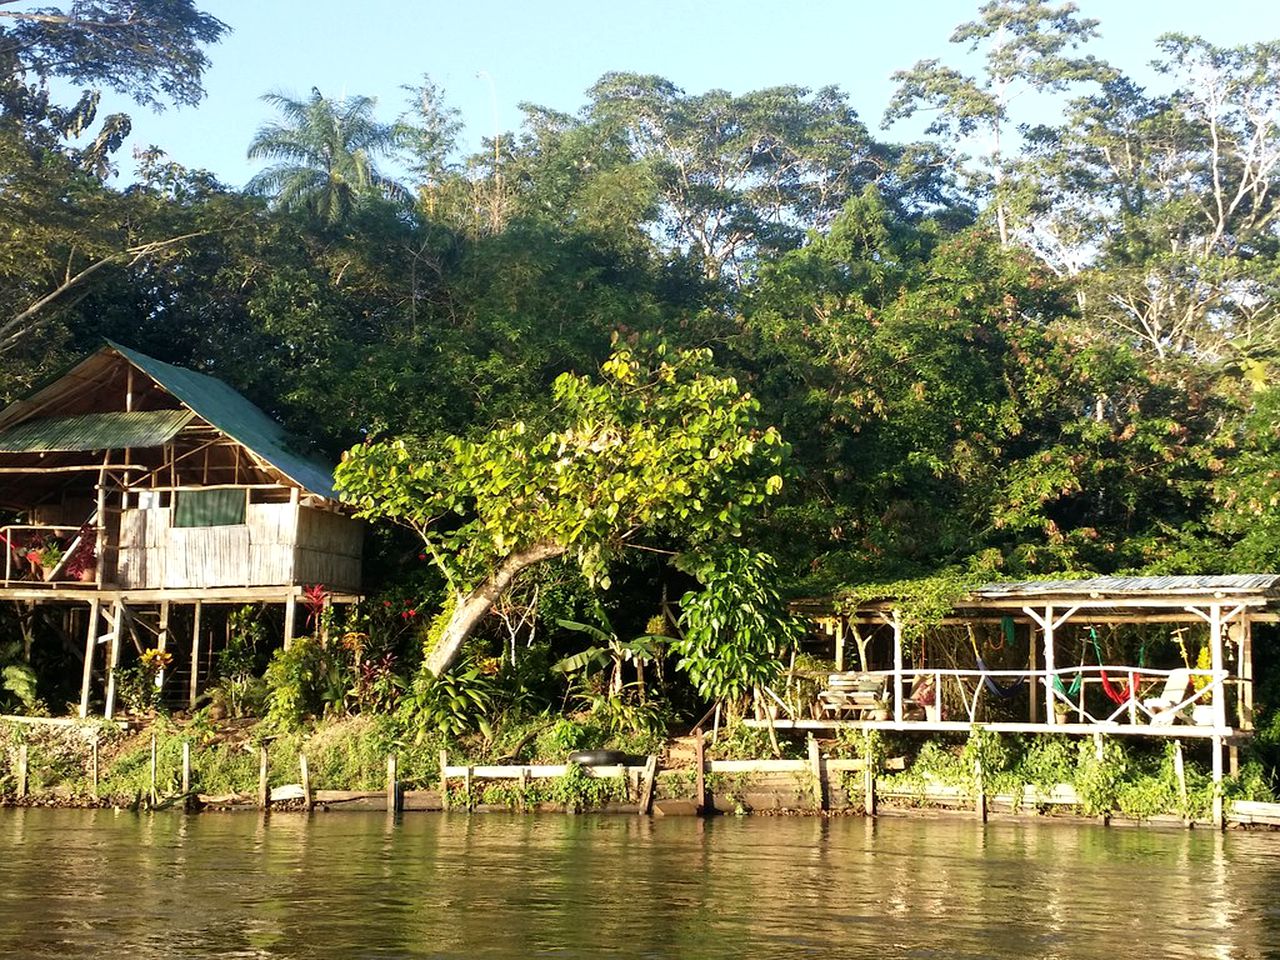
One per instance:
(100,884)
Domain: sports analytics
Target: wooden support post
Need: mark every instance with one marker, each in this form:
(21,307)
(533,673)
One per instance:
(194,686)
(980,791)
(816,771)
(897,667)
(186,767)
(839,644)
(1218,819)
(646,787)
(162,638)
(113,657)
(521,801)
(93,765)
(264,786)
(290,619)
(466,785)
(1246,671)
(700,761)
(305,775)
(22,771)
(1179,771)
(1215,654)
(1050,664)
(90,651)
(444,779)
(393,785)
(868,777)
(153,769)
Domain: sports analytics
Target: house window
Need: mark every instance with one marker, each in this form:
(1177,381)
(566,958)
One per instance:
(209,508)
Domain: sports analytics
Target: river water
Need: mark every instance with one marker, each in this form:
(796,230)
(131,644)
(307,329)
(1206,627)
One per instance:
(106,884)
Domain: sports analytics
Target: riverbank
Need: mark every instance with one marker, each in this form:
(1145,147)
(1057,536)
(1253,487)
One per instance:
(358,763)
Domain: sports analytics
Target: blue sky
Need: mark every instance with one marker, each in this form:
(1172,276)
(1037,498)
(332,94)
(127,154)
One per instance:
(491,55)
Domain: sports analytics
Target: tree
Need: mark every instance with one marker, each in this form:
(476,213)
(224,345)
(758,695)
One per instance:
(1026,44)
(325,151)
(658,445)
(149,50)
(1164,205)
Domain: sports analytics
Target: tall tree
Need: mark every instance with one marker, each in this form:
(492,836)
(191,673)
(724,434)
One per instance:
(326,152)
(1025,45)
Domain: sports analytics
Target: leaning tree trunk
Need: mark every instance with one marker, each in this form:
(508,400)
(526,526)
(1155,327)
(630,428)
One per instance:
(476,605)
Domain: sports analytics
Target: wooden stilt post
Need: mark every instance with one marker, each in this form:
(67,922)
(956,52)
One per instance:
(290,619)
(305,774)
(868,777)
(264,786)
(444,779)
(816,771)
(1179,771)
(466,786)
(1246,671)
(980,791)
(1218,818)
(194,685)
(839,644)
(186,767)
(90,651)
(522,800)
(153,769)
(700,760)
(162,638)
(393,785)
(1050,664)
(897,667)
(22,771)
(113,657)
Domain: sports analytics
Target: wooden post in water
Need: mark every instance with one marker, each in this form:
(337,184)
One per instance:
(1180,772)
(305,774)
(444,779)
(815,769)
(153,768)
(264,787)
(980,792)
(393,785)
(700,759)
(868,777)
(524,789)
(22,771)
(93,764)
(186,767)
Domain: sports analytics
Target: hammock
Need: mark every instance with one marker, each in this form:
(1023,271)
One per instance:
(1006,691)
(1124,692)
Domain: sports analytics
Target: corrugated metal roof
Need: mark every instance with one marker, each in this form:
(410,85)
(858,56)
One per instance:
(1249,583)
(235,416)
(95,431)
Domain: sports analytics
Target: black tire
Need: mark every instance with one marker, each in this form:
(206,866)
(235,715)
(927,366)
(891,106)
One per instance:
(599,758)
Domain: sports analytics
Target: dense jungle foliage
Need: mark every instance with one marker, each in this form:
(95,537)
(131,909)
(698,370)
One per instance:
(757,347)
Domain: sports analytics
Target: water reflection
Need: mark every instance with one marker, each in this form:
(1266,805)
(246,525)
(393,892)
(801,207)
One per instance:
(97,883)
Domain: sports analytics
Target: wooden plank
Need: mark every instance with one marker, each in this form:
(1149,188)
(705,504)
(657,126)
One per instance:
(646,787)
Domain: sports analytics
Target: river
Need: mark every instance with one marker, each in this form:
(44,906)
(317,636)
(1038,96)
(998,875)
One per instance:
(351,885)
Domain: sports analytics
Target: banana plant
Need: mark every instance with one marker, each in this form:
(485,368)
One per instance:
(609,651)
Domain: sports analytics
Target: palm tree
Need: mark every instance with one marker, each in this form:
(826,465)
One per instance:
(325,153)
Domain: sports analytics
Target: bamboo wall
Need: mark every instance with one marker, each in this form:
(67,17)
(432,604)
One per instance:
(279,544)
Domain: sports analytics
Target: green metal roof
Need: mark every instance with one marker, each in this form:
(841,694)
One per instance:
(235,416)
(94,431)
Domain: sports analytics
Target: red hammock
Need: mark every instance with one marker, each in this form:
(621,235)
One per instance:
(1119,696)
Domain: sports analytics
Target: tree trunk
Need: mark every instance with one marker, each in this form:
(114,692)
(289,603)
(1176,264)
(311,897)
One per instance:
(476,605)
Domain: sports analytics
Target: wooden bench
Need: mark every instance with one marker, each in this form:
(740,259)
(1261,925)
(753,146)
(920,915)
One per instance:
(853,695)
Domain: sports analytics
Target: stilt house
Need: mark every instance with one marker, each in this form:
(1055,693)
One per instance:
(143,493)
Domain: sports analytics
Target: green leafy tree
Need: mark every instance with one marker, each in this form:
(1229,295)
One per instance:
(735,627)
(657,445)
(326,152)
